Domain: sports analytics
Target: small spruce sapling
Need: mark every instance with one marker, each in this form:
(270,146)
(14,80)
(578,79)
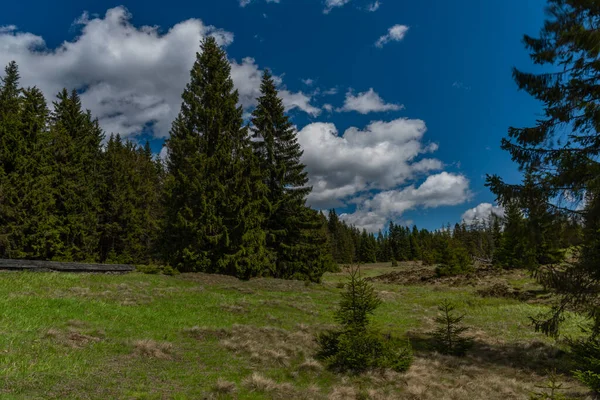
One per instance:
(448,337)
(552,389)
(355,346)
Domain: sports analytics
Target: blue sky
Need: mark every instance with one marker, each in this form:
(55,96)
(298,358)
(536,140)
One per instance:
(446,67)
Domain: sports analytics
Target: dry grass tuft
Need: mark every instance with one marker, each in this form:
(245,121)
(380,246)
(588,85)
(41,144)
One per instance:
(282,347)
(310,365)
(153,349)
(224,387)
(259,383)
(343,393)
(446,377)
(278,357)
(53,333)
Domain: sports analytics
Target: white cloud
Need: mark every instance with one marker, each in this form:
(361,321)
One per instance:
(482,213)
(367,102)
(163,155)
(330,92)
(395,34)
(331,4)
(133,76)
(374,6)
(298,100)
(328,107)
(244,3)
(443,189)
(380,157)
(308,82)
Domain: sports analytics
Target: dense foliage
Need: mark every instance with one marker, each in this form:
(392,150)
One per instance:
(222,202)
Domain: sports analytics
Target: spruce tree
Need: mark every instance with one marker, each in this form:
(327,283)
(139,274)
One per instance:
(76,153)
(36,217)
(448,337)
(560,151)
(11,144)
(214,193)
(293,232)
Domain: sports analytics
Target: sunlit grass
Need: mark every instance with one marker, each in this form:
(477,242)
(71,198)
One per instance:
(131,336)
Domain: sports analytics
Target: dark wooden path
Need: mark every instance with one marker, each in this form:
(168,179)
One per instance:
(26,265)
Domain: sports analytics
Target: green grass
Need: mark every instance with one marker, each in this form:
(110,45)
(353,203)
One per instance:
(77,335)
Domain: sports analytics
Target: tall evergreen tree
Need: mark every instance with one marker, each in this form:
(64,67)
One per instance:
(560,153)
(75,149)
(33,181)
(214,194)
(11,143)
(292,230)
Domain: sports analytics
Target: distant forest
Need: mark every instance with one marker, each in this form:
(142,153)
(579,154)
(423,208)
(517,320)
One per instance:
(230,198)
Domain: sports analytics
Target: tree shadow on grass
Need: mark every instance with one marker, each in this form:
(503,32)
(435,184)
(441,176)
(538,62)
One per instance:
(532,356)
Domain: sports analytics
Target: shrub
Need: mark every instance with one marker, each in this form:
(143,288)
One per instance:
(394,262)
(448,337)
(359,351)
(355,346)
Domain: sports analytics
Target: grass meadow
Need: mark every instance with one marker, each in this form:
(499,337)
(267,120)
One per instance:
(198,336)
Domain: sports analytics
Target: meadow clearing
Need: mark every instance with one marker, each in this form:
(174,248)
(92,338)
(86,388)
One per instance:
(199,336)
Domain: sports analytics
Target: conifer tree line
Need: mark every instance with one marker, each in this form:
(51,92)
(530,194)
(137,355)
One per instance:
(518,240)
(230,198)
(62,195)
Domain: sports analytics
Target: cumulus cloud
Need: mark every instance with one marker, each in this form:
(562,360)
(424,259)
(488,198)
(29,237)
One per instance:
(482,213)
(131,77)
(443,189)
(380,157)
(367,102)
(300,101)
(395,34)
(331,4)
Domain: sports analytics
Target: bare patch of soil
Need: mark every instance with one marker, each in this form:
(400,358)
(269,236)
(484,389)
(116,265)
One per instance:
(76,336)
